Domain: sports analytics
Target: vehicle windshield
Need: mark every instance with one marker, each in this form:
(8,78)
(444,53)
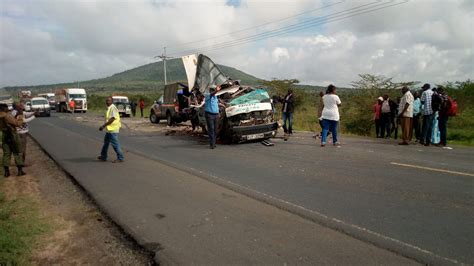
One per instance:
(120,100)
(39,102)
(256,96)
(77,96)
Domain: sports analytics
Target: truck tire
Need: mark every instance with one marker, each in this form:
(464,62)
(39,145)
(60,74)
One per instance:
(153,118)
(169,119)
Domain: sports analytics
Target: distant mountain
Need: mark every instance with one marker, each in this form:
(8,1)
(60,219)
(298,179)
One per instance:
(149,76)
(175,72)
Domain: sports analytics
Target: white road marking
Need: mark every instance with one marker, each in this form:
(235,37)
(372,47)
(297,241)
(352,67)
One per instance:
(399,242)
(432,169)
(221,180)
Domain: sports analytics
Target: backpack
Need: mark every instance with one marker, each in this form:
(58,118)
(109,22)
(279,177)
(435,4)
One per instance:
(385,107)
(452,107)
(436,102)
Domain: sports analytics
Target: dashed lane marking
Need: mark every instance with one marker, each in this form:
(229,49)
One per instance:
(433,169)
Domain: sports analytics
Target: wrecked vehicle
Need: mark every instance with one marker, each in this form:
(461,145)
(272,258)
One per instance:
(245,112)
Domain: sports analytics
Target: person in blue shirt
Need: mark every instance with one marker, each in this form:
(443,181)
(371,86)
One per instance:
(212,112)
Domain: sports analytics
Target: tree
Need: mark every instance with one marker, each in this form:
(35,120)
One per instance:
(369,81)
(280,86)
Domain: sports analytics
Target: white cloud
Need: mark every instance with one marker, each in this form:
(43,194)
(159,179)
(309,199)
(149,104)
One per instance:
(59,41)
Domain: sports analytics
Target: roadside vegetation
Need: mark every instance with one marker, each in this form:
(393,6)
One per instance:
(356,110)
(21,226)
(357,106)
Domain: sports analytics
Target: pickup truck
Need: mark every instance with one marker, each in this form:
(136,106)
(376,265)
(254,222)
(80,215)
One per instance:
(173,105)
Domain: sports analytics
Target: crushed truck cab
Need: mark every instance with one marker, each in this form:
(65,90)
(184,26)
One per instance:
(245,112)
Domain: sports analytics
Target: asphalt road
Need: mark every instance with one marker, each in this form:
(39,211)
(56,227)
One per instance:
(419,199)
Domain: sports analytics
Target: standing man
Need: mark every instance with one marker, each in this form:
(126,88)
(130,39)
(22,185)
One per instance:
(212,112)
(287,112)
(443,116)
(133,107)
(330,115)
(377,114)
(141,104)
(72,105)
(10,140)
(428,115)
(112,126)
(24,129)
(385,113)
(405,112)
(417,116)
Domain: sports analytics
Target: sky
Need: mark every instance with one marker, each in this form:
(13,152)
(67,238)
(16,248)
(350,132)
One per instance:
(314,41)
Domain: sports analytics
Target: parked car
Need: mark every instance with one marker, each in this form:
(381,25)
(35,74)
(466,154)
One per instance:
(41,106)
(173,105)
(123,105)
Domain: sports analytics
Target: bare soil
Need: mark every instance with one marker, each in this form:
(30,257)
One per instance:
(141,126)
(80,233)
(137,125)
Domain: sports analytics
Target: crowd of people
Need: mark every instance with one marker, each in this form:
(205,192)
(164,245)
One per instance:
(423,114)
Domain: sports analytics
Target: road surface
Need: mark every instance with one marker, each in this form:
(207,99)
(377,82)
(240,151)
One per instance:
(415,200)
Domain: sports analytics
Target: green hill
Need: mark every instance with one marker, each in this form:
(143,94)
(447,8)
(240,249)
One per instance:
(146,77)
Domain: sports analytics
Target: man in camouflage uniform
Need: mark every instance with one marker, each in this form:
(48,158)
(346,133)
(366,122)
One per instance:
(10,140)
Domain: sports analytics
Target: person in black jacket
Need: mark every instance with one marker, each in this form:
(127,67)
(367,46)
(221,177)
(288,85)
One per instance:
(287,112)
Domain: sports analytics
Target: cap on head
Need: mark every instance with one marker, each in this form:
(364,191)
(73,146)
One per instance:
(380,98)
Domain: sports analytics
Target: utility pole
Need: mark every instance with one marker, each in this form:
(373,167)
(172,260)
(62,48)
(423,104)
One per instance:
(164,57)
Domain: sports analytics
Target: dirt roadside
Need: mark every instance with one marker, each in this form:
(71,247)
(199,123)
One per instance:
(136,125)
(81,234)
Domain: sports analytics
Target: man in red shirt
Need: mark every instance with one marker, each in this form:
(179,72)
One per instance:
(141,103)
(72,105)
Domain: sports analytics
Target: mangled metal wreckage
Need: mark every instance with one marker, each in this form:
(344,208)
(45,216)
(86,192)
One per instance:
(245,112)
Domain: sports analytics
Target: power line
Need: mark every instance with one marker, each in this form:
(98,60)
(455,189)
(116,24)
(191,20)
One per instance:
(333,19)
(287,29)
(359,10)
(255,27)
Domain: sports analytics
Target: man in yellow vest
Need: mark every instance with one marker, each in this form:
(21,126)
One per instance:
(112,127)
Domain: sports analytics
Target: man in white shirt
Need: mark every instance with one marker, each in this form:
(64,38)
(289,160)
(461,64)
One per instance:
(405,112)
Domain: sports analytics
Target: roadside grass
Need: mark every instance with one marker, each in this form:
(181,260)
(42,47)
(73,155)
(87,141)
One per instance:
(357,113)
(20,228)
